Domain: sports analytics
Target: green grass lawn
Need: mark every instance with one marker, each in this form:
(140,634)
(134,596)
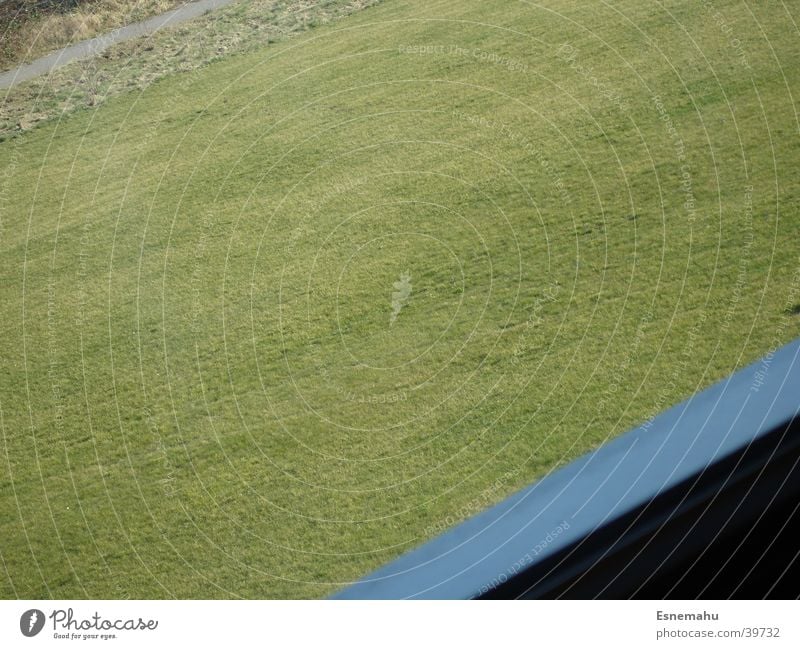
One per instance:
(216,380)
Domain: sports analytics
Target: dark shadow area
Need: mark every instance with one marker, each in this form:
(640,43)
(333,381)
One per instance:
(755,563)
(732,532)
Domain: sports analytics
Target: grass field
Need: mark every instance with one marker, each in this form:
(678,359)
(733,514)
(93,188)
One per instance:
(269,323)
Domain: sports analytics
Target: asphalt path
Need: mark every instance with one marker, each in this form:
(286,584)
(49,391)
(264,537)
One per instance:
(94,46)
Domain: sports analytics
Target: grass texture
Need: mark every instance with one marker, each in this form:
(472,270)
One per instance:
(270,322)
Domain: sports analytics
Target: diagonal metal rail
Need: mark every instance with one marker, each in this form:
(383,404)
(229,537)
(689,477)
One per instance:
(715,474)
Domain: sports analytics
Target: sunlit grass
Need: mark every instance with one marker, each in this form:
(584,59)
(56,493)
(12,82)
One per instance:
(204,392)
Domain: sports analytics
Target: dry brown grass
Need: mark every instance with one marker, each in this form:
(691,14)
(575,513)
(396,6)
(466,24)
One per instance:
(30,28)
(135,64)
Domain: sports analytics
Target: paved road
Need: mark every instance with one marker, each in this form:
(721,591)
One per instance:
(93,46)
